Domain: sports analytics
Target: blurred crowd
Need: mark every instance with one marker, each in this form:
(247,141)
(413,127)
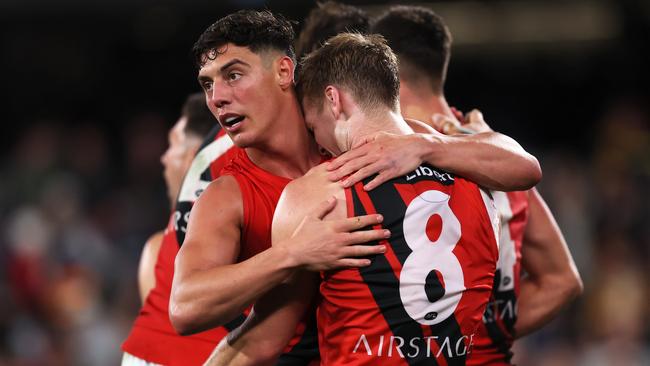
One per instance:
(601,200)
(76,206)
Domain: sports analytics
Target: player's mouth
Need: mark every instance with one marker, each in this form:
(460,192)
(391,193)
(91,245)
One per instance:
(231,122)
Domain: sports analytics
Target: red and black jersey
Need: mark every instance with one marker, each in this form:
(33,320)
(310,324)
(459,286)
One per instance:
(260,191)
(495,335)
(152,337)
(421,302)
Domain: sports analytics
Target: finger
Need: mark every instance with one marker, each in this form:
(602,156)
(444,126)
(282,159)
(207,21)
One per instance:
(474,116)
(356,251)
(358,222)
(344,158)
(364,141)
(458,114)
(366,236)
(324,208)
(444,124)
(362,173)
(350,167)
(352,263)
(437,120)
(382,177)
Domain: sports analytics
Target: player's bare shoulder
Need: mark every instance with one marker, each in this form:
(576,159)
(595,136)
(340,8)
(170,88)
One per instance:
(300,197)
(313,187)
(220,204)
(223,191)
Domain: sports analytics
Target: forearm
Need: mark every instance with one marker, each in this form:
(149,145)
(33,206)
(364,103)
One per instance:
(204,299)
(541,300)
(227,355)
(492,160)
(270,325)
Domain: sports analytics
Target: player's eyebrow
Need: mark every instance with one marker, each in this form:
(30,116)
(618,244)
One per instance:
(222,69)
(232,62)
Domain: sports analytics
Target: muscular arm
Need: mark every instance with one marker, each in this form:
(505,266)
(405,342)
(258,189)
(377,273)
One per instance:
(491,159)
(147,265)
(270,325)
(552,279)
(209,287)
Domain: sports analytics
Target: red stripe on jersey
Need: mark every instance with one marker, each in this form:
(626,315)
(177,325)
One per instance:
(370,210)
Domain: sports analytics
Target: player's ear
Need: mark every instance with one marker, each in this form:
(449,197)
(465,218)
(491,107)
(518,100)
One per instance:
(285,72)
(333,100)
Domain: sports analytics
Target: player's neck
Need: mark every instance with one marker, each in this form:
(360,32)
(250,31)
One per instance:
(364,125)
(289,151)
(421,105)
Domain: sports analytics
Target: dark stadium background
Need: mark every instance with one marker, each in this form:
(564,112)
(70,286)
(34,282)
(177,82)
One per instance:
(89,89)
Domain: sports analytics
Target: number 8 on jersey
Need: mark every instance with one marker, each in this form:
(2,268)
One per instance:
(431,282)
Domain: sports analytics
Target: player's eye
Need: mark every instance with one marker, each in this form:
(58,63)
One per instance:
(206,85)
(234,76)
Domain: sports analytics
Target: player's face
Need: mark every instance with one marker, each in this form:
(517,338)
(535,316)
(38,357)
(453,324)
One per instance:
(241,92)
(323,126)
(177,158)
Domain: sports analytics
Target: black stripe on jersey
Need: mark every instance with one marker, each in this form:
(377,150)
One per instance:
(210,136)
(383,284)
(389,203)
(449,329)
(206,175)
(182,207)
(306,350)
(180,220)
(492,316)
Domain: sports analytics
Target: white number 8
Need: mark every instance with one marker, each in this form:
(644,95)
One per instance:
(428,256)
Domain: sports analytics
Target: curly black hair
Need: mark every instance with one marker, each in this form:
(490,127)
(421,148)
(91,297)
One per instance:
(257,30)
(421,41)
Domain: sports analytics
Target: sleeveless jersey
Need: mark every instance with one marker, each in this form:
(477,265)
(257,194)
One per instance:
(260,191)
(152,337)
(495,335)
(421,302)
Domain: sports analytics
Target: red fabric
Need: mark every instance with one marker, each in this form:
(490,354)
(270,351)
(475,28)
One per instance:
(492,346)
(260,192)
(362,318)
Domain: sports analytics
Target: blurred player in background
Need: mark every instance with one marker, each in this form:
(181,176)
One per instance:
(328,19)
(184,138)
(530,236)
(152,339)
